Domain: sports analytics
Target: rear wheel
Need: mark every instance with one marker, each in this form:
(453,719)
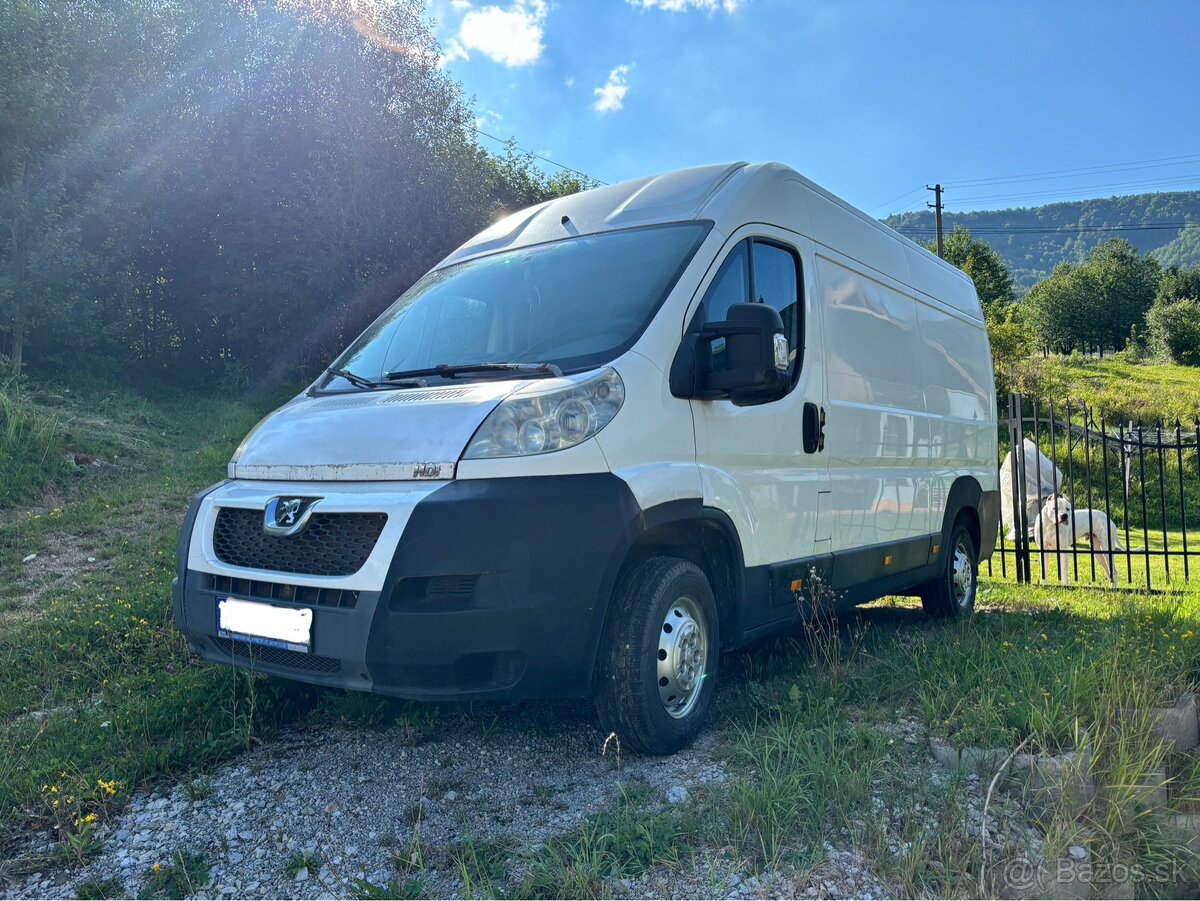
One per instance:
(658,663)
(952,594)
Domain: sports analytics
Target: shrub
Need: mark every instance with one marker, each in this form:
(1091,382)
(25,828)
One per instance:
(1010,348)
(1175,331)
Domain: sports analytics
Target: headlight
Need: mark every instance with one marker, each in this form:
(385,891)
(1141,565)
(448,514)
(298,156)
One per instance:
(543,423)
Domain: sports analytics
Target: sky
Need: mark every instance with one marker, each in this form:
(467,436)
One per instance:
(1014,103)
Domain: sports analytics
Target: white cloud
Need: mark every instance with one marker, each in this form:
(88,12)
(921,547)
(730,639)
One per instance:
(454,51)
(678,6)
(488,119)
(511,36)
(610,96)
(461,4)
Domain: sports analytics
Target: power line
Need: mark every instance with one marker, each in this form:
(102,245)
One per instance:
(479,130)
(1064,192)
(1064,229)
(894,199)
(1113,167)
(540,157)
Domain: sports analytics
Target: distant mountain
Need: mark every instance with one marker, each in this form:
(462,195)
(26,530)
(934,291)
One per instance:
(1034,239)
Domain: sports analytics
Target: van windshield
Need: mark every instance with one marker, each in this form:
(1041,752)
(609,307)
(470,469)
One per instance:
(577,303)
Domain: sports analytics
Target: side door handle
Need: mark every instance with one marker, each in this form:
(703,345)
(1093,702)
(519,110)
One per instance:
(814,428)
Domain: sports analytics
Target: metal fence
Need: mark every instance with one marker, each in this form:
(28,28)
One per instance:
(1134,499)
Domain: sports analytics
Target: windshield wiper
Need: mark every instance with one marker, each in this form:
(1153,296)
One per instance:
(356,380)
(539,370)
(360,382)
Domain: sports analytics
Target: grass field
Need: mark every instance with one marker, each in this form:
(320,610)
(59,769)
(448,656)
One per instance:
(99,695)
(1121,390)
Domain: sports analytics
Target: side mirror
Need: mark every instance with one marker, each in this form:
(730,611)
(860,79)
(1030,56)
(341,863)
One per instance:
(755,369)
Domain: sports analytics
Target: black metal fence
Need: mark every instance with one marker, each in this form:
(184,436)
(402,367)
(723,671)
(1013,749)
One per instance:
(1133,499)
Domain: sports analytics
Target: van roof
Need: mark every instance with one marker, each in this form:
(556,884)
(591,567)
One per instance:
(728,193)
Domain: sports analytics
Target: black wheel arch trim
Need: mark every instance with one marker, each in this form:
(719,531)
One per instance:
(967,493)
(683,512)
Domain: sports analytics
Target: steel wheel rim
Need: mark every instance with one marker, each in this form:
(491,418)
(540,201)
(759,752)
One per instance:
(682,657)
(962,576)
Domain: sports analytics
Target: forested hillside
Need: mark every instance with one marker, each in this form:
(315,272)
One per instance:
(1033,240)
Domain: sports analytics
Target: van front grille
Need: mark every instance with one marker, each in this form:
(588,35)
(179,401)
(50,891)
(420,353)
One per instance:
(332,544)
(255,590)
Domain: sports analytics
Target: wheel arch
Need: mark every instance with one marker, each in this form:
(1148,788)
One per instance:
(702,535)
(963,502)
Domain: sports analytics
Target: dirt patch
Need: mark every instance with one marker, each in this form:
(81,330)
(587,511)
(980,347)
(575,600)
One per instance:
(61,561)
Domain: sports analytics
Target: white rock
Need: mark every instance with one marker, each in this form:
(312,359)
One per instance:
(29,559)
(677,794)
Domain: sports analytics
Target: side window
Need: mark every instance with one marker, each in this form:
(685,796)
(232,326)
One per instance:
(759,271)
(776,281)
(732,285)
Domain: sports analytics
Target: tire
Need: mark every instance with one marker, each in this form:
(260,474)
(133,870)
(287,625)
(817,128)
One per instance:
(952,594)
(658,661)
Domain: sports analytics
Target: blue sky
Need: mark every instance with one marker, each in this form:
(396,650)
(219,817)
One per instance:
(868,98)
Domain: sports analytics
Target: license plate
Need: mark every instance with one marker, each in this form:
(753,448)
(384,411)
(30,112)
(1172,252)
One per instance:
(277,627)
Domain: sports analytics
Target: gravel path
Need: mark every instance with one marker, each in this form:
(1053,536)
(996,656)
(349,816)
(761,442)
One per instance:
(349,799)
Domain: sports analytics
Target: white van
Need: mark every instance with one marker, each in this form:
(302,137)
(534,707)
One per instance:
(604,440)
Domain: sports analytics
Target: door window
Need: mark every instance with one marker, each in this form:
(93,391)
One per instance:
(759,271)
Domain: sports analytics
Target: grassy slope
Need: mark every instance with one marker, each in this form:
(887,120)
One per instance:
(99,694)
(95,683)
(1122,391)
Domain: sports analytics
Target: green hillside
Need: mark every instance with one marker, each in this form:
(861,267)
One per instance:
(1033,240)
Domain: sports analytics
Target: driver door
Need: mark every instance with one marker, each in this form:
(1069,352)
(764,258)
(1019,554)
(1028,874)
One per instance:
(752,459)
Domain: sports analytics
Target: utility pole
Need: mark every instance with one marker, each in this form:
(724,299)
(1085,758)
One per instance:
(936,206)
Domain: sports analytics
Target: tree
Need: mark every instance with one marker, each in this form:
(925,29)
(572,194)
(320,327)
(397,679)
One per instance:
(983,264)
(195,185)
(1054,309)
(1125,283)
(1094,304)
(1175,331)
(1179,284)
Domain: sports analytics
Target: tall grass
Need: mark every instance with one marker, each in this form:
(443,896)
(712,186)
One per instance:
(31,447)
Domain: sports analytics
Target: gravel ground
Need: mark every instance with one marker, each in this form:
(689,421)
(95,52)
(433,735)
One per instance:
(349,798)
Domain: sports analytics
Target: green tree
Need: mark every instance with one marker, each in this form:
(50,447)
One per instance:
(1125,284)
(983,264)
(1054,309)
(1179,283)
(1094,304)
(195,185)
(1175,331)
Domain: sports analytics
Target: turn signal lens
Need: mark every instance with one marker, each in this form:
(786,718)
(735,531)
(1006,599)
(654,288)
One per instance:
(542,423)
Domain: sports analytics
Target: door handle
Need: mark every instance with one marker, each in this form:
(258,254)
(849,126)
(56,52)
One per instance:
(814,428)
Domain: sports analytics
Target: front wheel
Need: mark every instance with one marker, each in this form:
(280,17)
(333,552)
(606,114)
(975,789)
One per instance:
(658,663)
(952,594)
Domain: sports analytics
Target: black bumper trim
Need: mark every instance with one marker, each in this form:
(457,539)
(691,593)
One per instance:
(531,563)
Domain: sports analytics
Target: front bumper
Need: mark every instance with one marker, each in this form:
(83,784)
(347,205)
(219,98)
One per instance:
(496,588)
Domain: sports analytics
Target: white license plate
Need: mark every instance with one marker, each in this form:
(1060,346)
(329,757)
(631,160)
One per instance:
(277,627)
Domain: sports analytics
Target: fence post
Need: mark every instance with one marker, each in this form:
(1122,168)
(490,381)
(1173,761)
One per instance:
(1016,438)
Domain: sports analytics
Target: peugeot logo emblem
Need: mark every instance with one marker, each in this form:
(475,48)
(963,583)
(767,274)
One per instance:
(287,515)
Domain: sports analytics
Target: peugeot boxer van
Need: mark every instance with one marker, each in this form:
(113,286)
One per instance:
(607,439)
